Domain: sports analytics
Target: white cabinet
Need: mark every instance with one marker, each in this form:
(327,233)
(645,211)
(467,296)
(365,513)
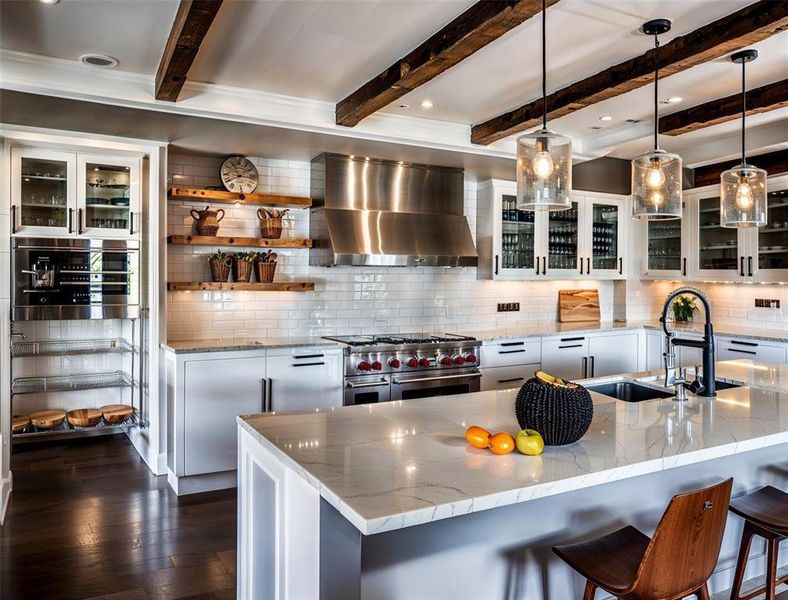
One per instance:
(64,194)
(612,354)
(509,364)
(718,253)
(504,378)
(732,349)
(769,245)
(655,350)
(566,357)
(304,378)
(585,241)
(666,248)
(216,392)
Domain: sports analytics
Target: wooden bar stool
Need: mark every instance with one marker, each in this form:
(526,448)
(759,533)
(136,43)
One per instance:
(765,513)
(676,562)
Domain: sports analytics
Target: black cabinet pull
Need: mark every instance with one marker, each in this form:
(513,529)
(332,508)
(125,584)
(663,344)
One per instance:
(312,364)
(742,351)
(573,339)
(741,269)
(581,266)
(537,265)
(79,221)
(749,266)
(588,266)
(303,356)
(131,222)
(513,344)
(585,367)
(572,346)
(753,344)
(544,265)
(621,265)
(592,366)
(684,267)
(70,215)
(510,380)
(264,396)
(13,218)
(496,264)
(510,351)
(270,396)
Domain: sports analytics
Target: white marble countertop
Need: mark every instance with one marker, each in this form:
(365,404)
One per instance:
(224,345)
(403,463)
(547,329)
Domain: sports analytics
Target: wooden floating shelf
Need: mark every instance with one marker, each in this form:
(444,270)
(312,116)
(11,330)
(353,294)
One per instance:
(240,242)
(214,286)
(225,197)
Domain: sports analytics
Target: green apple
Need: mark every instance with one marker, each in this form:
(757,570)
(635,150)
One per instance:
(529,441)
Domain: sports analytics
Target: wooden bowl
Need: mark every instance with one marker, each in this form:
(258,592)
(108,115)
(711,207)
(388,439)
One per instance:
(84,417)
(116,413)
(19,423)
(48,419)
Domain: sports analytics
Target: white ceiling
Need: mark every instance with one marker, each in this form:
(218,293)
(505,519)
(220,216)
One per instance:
(324,49)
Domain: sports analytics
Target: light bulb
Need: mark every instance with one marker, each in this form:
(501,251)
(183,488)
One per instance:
(656,198)
(744,194)
(542,164)
(655,178)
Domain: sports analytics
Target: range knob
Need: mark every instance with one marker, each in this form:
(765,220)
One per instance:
(424,362)
(376,366)
(470,358)
(394,363)
(364,366)
(412,362)
(446,361)
(459,360)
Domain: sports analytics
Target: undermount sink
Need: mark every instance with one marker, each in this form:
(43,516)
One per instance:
(629,391)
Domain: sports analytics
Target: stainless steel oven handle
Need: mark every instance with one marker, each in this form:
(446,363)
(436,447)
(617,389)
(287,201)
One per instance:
(420,379)
(351,385)
(76,272)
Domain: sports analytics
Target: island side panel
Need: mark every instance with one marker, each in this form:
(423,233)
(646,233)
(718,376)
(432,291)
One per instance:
(506,552)
(340,555)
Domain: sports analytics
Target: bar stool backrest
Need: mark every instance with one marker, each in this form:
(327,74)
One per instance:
(685,547)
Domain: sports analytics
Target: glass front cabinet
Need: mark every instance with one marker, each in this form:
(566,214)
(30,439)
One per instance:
(584,241)
(74,195)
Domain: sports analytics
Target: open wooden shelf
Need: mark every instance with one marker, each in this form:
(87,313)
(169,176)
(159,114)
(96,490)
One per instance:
(213,286)
(225,197)
(240,242)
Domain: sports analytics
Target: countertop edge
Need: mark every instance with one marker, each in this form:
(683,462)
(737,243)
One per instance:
(241,346)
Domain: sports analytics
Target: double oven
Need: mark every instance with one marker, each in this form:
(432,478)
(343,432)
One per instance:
(75,279)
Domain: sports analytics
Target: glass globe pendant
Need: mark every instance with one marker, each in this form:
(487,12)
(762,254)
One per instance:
(544,159)
(743,188)
(656,175)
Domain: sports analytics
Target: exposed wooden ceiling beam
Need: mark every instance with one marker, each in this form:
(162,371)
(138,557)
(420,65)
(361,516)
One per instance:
(759,100)
(191,24)
(749,25)
(482,23)
(773,162)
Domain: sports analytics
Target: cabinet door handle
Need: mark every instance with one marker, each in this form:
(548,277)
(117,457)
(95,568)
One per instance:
(510,380)
(743,351)
(585,367)
(571,346)
(544,265)
(510,351)
(303,356)
(312,364)
(131,222)
(537,265)
(573,339)
(588,266)
(513,344)
(737,342)
(741,269)
(749,266)
(13,218)
(263,395)
(592,366)
(684,267)
(496,264)
(270,396)
(79,221)
(621,265)
(70,218)
(581,266)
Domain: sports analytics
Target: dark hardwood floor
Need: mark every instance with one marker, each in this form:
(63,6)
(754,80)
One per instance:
(87,519)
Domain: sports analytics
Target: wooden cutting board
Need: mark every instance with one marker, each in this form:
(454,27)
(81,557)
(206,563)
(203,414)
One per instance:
(84,417)
(116,413)
(48,419)
(19,423)
(578,305)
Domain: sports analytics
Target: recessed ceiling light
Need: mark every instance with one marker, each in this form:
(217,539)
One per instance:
(606,118)
(427,104)
(675,99)
(50,2)
(633,120)
(99,60)
(403,106)
(596,127)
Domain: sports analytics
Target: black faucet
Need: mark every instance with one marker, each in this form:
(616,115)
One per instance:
(708,386)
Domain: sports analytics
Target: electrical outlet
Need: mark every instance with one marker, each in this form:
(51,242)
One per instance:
(508,307)
(767,303)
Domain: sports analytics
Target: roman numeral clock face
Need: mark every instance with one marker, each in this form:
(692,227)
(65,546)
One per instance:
(239,175)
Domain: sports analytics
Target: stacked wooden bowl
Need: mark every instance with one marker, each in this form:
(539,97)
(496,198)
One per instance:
(48,419)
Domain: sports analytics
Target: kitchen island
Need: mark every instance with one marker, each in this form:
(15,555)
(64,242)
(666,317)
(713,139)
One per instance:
(388,501)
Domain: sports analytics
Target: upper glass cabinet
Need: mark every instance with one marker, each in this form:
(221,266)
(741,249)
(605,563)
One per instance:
(721,252)
(108,195)
(518,236)
(563,239)
(604,235)
(42,191)
(773,239)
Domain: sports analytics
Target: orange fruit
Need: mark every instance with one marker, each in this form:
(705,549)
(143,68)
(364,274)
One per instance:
(478,437)
(501,443)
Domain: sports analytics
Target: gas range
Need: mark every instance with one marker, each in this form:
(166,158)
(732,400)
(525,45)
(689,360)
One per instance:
(398,353)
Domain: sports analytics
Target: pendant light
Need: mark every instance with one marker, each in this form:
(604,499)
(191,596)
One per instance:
(656,175)
(544,158)
(743,188)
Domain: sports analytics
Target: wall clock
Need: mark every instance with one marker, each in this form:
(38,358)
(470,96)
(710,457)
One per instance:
(238,174)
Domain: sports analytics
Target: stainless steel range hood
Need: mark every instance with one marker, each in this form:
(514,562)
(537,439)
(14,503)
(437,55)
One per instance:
(385,213)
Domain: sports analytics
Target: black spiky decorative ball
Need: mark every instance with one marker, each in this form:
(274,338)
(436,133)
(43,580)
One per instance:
(561,414)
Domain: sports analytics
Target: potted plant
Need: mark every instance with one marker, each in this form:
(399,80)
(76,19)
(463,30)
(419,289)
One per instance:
(243,263)
(684,308)
(265,266)
(220,263)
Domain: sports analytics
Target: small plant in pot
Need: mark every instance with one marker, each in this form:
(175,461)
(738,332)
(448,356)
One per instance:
(243,264)
(265,266)
(220,263)
(684,308)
